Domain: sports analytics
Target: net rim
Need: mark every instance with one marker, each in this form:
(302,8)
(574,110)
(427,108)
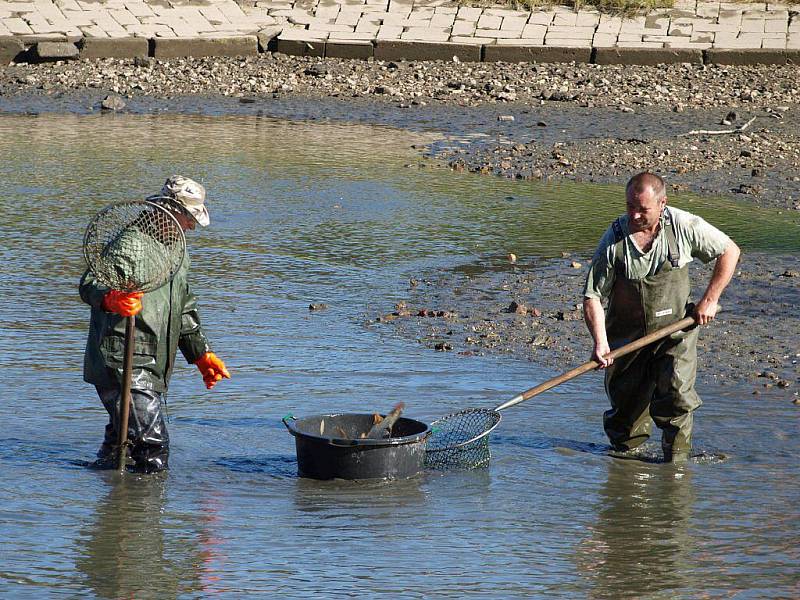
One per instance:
(468,411)
(91,263)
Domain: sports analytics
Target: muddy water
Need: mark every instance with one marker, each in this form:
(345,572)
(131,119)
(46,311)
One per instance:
(305,214)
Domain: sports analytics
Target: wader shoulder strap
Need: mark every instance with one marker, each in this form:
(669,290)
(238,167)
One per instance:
(618,234)
(673,255)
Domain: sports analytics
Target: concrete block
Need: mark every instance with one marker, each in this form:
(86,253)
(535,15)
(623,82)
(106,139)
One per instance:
(114,48)
(755,56)
(645,55)
(300,47)
(537,54)
(399,50)
(350,49)
(51,51)
(243,45)
(10,49)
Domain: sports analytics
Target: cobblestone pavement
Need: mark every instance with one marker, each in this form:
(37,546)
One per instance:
(688,25)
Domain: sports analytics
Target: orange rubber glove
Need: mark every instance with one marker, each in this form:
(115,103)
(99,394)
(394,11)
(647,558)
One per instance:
(212,369)
(126,304)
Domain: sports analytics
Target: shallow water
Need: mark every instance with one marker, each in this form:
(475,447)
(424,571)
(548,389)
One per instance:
(329,213)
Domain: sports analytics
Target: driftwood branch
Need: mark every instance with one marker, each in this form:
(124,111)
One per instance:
(739,129)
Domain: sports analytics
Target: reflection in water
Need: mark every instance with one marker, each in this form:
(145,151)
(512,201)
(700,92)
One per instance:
(135,549)
(640,543)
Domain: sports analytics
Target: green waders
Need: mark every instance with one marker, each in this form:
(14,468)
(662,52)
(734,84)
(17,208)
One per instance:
(657,381)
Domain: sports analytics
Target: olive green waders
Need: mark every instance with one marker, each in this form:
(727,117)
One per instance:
(657,381)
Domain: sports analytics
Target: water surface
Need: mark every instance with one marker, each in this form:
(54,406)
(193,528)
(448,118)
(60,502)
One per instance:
(343,214)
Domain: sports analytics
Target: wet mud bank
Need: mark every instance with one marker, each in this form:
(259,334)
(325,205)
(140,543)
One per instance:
(532,311)
(711,129)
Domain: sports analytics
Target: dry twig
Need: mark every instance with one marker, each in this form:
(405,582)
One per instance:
(739,129)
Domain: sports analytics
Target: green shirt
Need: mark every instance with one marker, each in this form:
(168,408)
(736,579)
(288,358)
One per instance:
(696,239)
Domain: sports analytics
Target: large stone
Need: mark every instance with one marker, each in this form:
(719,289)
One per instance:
(10,49)
(50,51)
(536,54)
(267,36)
(130,47)
(646,56)
(752,56)
(300,47)
(354,49)
(394,50)
(240,45)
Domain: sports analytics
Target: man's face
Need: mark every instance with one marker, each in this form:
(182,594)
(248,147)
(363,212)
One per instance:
(185,221)
(644,210)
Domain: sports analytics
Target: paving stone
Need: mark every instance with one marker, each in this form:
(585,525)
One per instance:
(400,50)
(442,21)
(245,45)
(468,14)
(776,26)
(295,47)
(774,43)
(604,40)
(463,28)
(498,33)
(752,25)
(514,23)
(490,22)
(426,34)
(541,18)
(534,31)
(559,42)
(389,32)
(368,27)
(536,54)
(571,33)
(349,49)
(538,41)
(266,36)
(351,36)
(565,19)
(17,26)
(471,40)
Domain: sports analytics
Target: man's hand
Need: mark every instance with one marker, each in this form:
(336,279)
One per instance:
(599,353)
(705,311)
(125,304)
(212,369)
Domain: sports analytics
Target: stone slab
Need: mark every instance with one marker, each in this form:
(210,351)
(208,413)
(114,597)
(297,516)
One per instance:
(538,54)
(752,56)
(646,56)
(399,50)
(242,45)
(51,51)
(130,47)
(10,49)
(350,49)
(266,37)
(300,47)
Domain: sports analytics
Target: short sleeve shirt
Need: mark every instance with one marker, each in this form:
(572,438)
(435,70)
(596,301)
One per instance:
(696,239)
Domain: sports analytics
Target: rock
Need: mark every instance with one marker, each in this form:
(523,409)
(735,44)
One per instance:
(112,103)
(318,306)
(517,308)
(746,153)
(443,346)
(541,124)
(507,118)
(512,258)
(576,265)
(730,118)
(790,273)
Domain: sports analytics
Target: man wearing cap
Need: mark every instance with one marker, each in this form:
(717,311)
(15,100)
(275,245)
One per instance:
(166,319)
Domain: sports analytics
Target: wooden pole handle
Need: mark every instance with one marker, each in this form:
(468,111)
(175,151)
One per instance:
(593,364)
(125,398)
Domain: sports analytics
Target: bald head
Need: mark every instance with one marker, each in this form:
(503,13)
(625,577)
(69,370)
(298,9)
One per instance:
(644,182)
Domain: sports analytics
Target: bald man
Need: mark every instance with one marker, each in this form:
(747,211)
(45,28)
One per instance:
(641,269)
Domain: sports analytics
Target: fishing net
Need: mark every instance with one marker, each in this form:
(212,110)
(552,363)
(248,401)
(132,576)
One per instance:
(134,246)
(461,440)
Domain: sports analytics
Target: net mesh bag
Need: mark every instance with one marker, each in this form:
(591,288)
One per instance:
(461,440)
(134,246)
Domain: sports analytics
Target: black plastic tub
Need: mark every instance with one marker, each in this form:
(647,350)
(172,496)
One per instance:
(329,446)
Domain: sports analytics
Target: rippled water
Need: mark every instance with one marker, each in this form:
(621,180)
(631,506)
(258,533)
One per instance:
(343,215)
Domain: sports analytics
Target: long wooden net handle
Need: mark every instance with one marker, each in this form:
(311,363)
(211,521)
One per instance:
(593,364)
